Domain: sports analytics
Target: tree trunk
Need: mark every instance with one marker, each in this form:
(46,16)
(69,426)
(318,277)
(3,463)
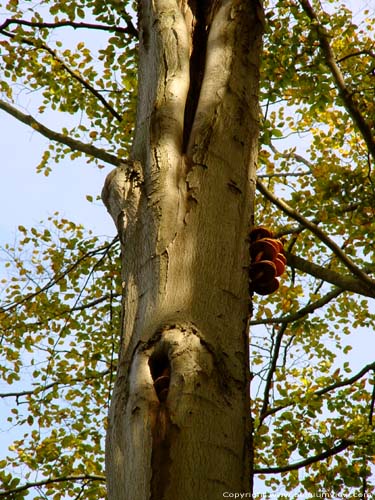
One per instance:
(179,424)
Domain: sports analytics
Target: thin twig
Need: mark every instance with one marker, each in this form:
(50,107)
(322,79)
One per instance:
(355,54)
(298,158)
(286,175)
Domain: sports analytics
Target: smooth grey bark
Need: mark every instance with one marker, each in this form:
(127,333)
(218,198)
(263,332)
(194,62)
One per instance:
(179,424)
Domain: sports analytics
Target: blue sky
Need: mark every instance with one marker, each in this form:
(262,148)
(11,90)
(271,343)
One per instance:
(27,197)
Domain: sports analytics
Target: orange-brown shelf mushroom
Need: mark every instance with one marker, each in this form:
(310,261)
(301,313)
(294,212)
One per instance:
(263,250)
(266,288)
(267,261)
(264,270)
(260,233)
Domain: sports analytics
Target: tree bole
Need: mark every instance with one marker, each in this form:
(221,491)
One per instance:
(183,207)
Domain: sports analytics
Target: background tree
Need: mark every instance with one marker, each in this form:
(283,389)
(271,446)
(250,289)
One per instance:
(313,416)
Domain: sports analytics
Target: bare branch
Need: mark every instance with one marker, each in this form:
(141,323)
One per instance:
(308,461)
(76,76)
(45,482)
(52,135)
(344,92)
(351,207)
(368,282)
(129,30)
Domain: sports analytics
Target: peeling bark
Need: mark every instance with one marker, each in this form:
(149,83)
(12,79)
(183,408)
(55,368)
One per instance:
(179,424)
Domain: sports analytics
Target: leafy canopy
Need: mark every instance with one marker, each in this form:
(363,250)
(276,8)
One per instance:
(313,402)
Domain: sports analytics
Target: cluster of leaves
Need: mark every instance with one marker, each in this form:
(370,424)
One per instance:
(90,92)
(60,314)
(60,303)
(314,413)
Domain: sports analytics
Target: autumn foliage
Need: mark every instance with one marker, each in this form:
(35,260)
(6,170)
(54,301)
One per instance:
(312,361)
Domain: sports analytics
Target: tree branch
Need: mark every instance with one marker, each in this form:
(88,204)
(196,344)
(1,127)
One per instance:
(286,175)
(348,381)
(372,404)
(89,304)
(129,30)
(298,158)
(329,388)
(370,283)
(344,92)
(27,486)
(73,74)
(308,461)
(52,135)
(56,279)
(355,54)
(347,283)
(72,309)
(302,312)
(271,372)
(298,229)
(54,384)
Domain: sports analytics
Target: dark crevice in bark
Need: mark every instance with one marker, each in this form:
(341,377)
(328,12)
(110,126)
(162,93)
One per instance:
(161,426)
(161,373)
(199,35)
